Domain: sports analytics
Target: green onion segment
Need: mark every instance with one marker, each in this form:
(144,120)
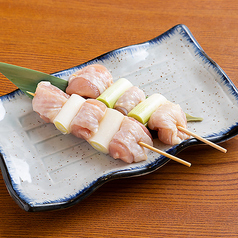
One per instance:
(144,110)
(111,94)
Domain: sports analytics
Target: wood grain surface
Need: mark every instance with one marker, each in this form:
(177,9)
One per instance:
(174,201)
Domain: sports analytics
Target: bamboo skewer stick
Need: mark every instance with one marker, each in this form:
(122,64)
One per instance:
(202,139)
(32,94)
(165,154)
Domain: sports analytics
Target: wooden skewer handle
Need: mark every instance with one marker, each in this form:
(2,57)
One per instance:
(202,139)
(165,154)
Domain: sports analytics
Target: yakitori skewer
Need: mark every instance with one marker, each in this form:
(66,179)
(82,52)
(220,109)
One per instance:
(145,109)
(150,148)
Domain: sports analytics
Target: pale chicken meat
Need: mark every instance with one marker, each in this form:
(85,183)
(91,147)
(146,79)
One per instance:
(87,120)
(131,98)
(90,81)
(124,144)
(165,120)
(48,101)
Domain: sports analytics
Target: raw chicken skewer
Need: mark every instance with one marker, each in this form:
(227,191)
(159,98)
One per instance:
(187,132)
(113,152)
(160,114)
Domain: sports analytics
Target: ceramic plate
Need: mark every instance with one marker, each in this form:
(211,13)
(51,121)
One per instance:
(45,170)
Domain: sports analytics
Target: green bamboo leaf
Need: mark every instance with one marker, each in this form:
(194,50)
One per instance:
(192,118)
(27,79)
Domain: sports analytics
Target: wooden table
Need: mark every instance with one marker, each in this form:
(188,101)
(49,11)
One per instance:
(174,201)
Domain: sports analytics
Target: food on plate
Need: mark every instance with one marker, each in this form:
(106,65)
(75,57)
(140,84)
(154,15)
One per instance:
(129,99)
(124,144)
(165,120)
(86,122)
(90,81)
(111,94)
(48,101)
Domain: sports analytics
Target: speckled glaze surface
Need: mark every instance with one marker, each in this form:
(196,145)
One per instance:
(45,170)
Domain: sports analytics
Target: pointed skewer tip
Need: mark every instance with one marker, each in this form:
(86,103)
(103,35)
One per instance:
(32,94)
(202,139)
(165,154)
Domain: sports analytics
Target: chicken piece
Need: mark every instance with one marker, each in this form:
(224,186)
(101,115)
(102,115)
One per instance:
(131,98)
(124,144)
(87,120)
(48,101)
(166,119)
(90,81)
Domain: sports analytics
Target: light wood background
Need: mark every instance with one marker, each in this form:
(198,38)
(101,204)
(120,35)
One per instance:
(174,201)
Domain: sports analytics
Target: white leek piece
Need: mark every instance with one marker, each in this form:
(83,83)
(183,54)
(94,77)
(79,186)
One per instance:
(144,110)
(111,94)
(68,112)
(108,127)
